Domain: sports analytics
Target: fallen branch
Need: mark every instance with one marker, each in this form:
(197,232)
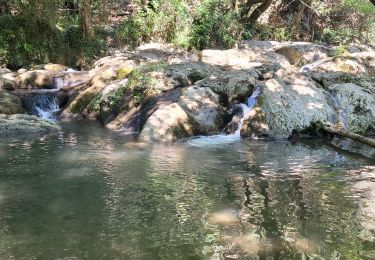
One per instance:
(353,136)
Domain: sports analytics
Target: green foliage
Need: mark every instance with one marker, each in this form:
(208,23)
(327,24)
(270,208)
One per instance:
(162,21)
(23,43)
(341,51)
(215,26)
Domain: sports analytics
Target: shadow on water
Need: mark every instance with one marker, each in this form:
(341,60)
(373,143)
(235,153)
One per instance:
(90,194)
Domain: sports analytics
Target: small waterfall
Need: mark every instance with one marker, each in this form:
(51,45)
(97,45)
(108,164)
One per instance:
(341,113)
(203,141)
(42,103)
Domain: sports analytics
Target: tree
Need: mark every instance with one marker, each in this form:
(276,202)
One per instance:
(258,11)
(86,23)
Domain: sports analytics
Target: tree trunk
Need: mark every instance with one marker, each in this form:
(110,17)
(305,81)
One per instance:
(86,23)
(259,11)
(353,136)
(298,18)
(373,2)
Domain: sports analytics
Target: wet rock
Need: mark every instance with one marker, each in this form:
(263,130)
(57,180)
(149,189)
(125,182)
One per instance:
(10,104)
(26,124)
(328,78)
(167,124)
(133,119)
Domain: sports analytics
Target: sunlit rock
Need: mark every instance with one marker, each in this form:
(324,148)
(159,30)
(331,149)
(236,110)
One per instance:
(202,105)
(300,53)
(290,102)
(167,124)
(35,79)
(243,58)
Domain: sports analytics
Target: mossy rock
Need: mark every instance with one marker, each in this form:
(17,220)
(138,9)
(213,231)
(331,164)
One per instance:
(84,98)
(10,104)
(124,72)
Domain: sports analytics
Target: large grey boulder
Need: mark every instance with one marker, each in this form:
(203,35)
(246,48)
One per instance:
(167,124)
(288,103)
(25,124)
(358,104)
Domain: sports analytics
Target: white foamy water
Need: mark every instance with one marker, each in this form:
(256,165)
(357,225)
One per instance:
(212,140)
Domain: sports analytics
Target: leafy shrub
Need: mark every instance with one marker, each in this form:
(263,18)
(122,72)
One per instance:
(162,21)
(215,26)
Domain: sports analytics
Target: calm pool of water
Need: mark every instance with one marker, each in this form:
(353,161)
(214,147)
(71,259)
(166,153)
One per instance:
(91,194)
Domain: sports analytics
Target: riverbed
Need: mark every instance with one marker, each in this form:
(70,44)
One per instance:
(88,193)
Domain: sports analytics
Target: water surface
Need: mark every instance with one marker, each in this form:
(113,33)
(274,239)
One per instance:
(92,194)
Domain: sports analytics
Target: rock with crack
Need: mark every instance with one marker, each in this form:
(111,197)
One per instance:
(202,105)
(231,85)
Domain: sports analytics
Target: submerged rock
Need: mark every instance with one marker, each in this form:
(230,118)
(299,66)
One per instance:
(10,104)
(26,124)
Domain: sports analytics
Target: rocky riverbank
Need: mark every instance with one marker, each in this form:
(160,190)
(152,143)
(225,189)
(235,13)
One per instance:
(163,94)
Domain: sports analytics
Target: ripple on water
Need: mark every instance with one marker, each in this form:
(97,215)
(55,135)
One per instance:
(89,194)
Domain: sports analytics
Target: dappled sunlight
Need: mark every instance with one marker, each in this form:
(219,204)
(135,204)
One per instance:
(274,86)
(302,88)
(313,106)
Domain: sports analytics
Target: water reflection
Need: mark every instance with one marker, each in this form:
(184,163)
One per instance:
(89,194)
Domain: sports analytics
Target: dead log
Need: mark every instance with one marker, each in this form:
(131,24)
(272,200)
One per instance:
(353,136)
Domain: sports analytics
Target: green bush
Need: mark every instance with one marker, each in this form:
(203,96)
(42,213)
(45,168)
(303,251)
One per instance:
(23,43)
(163,21)
(215,26)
